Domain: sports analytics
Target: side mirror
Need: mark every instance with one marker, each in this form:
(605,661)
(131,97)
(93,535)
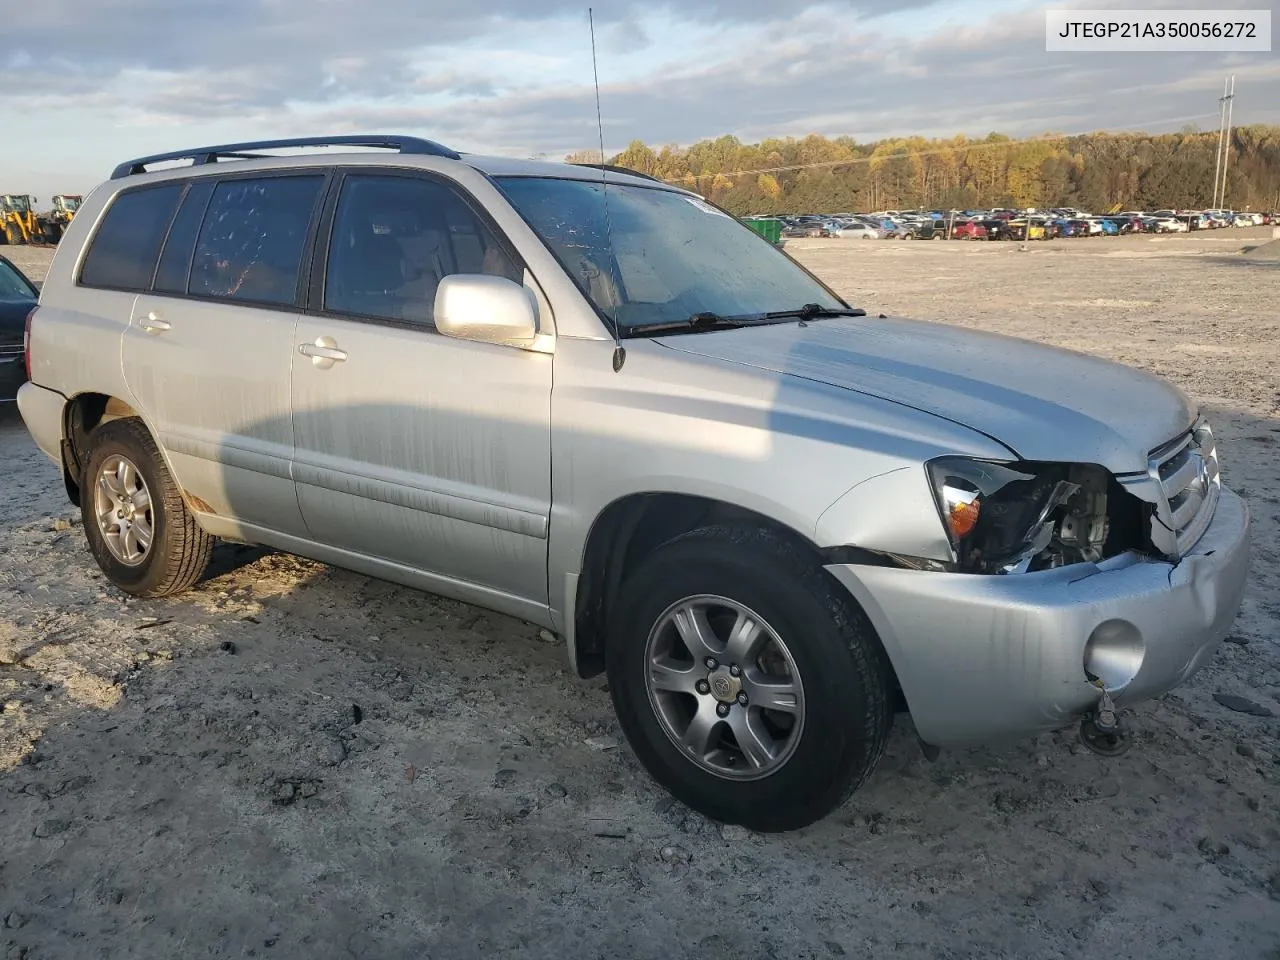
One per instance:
(476,306)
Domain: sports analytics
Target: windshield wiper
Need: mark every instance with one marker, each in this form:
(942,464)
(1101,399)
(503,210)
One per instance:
(706,320)
(812,311)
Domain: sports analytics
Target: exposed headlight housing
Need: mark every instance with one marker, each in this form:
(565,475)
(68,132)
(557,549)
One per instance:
(1019,517)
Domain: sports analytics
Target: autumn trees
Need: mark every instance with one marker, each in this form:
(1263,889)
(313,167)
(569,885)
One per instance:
(1091,171)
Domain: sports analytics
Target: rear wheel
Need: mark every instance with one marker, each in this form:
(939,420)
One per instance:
(747,681)
(138,526)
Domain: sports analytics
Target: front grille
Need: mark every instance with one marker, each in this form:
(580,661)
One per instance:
(1186,471)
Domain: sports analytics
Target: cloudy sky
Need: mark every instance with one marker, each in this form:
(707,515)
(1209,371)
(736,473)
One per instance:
(86,83)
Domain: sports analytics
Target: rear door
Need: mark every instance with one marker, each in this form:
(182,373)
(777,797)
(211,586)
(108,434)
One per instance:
(208,350)
(412,447)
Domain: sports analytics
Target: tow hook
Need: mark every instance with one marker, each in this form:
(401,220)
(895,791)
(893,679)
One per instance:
(1101,729)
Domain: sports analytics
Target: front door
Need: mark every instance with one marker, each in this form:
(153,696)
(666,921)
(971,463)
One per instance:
(412,447)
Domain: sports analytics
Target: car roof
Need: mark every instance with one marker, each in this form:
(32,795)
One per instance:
(496,166)
(383,150)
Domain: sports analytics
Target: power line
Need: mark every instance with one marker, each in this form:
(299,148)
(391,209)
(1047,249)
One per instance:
(965,147)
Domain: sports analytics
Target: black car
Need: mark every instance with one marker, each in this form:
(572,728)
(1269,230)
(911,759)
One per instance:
(997,229)
(925,230)
(17,298)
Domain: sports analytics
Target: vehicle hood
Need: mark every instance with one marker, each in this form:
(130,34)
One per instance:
(1042,402)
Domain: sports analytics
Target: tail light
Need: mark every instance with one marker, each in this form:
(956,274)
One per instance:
(26,341)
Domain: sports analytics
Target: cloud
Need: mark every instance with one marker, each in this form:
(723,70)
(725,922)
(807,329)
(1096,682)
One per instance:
(514,76)
(834,80)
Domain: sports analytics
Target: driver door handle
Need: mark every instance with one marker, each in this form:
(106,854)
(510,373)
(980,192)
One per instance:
(152,323)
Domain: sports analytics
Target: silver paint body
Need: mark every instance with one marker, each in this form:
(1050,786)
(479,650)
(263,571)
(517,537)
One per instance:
(476,469)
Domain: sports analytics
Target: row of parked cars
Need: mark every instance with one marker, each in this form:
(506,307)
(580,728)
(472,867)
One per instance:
(1006,224)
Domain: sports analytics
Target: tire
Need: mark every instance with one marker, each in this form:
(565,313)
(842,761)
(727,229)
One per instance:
(178,549)
(830,654)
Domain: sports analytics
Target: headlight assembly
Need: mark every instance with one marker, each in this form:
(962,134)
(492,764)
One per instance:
(1016,518)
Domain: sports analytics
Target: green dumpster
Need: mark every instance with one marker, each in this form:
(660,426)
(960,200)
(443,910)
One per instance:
(768,227)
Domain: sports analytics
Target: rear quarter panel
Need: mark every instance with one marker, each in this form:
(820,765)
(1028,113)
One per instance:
(77,332)
(75,338)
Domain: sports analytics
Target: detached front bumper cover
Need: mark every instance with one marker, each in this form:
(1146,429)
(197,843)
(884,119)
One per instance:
(984,658)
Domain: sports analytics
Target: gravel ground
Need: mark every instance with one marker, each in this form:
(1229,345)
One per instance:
(293,761)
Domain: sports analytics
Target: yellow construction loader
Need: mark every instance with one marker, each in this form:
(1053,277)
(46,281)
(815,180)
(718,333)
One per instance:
(55,222)
(18,223)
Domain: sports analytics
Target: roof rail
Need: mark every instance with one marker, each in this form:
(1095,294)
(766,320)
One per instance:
(614,168)
(244,151)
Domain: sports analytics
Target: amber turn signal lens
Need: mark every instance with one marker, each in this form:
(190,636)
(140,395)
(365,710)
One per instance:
(962,516)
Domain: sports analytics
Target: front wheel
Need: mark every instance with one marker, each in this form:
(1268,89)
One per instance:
(746,679)
(138,526)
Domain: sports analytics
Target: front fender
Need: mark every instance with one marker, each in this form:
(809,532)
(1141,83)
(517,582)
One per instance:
(780,446)
(893,512)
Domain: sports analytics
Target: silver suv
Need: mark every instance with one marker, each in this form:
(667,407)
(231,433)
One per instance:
(585,398)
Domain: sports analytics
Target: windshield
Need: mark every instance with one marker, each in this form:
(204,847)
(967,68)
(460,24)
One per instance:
(71,203)
(673,256)
(12,286)
(19,204)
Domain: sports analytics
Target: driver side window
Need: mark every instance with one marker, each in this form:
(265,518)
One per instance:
(395,238)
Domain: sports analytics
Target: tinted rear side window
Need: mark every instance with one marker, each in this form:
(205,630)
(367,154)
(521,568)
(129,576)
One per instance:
(251,244)
(175,259)
(125,247)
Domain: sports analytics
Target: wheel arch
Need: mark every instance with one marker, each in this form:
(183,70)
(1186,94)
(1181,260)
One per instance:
(629,529)
(81,415)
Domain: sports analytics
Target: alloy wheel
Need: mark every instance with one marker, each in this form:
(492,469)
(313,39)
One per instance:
(724,687)
(123,507)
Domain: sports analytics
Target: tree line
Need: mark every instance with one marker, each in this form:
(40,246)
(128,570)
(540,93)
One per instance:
(1093,171)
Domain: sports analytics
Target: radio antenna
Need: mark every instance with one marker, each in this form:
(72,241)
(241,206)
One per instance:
(619,351)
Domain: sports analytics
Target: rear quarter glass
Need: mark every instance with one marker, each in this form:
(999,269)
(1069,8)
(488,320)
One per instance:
(124,249)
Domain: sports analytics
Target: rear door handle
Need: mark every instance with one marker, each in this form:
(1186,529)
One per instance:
(152,323)
(324,353)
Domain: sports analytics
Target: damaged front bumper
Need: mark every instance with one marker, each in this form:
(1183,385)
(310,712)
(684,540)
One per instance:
(983,658)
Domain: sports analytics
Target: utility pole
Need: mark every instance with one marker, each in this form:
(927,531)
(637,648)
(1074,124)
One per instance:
(1226,103)
(1217,155)
(1226,145)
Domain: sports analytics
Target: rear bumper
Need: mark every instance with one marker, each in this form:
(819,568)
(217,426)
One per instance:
(983,658)
(41,411)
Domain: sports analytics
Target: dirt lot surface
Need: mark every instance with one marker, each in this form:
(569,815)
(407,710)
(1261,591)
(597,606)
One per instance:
(293,761)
